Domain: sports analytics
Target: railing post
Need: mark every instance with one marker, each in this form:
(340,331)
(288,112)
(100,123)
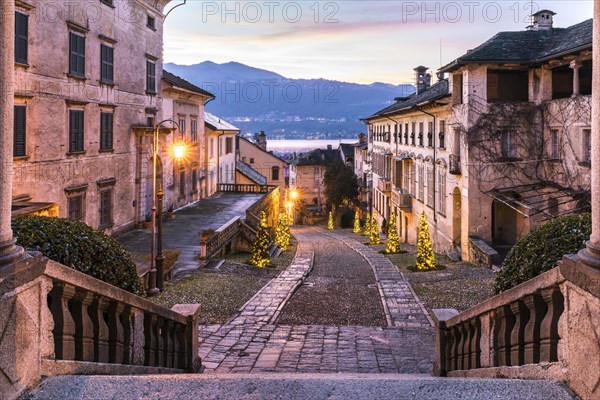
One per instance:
(549,328)
(442,341)
(192,311)
(98,308)
(127,323)
(64,326)
(537,310)
(517,338)
(150,339)
(84,327)
(116,334)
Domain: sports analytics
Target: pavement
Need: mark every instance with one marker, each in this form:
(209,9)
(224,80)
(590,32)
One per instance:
(294,387)
(182,231)
(253,341)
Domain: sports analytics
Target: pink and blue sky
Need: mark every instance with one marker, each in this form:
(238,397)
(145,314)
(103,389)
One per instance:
(351,40)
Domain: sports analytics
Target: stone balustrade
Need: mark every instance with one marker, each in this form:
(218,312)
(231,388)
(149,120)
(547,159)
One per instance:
(213,244)
(538,330)
(66,322)
(244,188)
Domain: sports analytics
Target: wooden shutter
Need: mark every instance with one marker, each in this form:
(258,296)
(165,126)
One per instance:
(21,37)
(20,124)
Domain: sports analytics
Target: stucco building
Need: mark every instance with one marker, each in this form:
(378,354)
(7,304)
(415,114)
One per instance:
(220,144)
(82,83)
(271,169)
(497,148)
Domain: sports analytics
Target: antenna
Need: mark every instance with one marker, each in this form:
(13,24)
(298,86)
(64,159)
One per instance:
(441,59)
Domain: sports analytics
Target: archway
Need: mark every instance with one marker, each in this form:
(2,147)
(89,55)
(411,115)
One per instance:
(456,218)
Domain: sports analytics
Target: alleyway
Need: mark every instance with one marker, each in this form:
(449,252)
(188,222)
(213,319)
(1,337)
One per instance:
(258,339)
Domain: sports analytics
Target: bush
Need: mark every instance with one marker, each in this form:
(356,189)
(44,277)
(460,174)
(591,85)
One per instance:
(76,245)
(542,248)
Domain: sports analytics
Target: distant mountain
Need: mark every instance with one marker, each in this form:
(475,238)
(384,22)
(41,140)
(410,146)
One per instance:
(255,99)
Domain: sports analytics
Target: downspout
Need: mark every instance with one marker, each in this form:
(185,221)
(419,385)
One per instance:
(219,158)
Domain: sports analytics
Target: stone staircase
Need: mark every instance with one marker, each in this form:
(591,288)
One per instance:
(293,386)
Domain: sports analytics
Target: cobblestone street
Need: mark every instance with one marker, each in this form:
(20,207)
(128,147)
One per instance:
(255,341)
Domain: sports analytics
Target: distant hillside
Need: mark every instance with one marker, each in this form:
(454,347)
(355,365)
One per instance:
(254,99)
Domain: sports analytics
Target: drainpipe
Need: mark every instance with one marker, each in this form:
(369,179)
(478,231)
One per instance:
(219,159)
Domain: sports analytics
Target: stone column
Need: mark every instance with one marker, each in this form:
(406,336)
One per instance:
(9,252)
(576,66)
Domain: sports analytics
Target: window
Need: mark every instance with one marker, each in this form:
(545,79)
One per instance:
(181,183)
(441,192)
(77,54)
(194,181)
(21,37)
(430,134)
(507,85)
(194,127)
(107,64)
(398,174)
(106,208)
(585,78)
(182,126)
(406,134)
(430,187)
(20,131)
(211,148)
(252,161)
(457,89)
(562,82)
(408,177)
(554,142)
(586,146)
(75,206)
(150,77)
(76,127)
(553,207)
(106,131)
(107,2)
(228,145)
(421,126)
(508,145)
(151,22)
(421,176)
(414,130)
(275,173)
(442,134)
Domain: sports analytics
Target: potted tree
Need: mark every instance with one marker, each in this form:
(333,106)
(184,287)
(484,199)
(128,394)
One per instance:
(169,213)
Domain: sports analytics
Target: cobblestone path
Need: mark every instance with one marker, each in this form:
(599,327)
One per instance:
(253,341)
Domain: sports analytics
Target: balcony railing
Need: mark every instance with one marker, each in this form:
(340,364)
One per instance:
(402,200)
(384,186)
(455,168)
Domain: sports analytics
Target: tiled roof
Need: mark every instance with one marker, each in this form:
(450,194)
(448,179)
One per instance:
(250,173)
(434,92)
(529,46)
(347,149)
(218,124)
(317,157)
(182,83)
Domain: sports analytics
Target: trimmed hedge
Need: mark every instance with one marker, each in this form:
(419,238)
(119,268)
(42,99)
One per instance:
(76,245)
(542,248)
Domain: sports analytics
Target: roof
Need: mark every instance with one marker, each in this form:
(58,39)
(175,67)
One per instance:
(182,83)
(258,148)
(532,46)
(347,149)
(218,124)
(317,157)
(435,92)
(250,173)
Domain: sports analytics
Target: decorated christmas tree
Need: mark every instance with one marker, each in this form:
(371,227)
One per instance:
(374,237)
(425,255)
(367,231)
(356,222)
(282,233)
(260,248)
(393,242)
(330,221)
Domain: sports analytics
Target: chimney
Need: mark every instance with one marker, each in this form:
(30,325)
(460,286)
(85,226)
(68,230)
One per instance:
(262,140)
(542,20)
(441,76)
(362,138)
(422,79)
(329,147)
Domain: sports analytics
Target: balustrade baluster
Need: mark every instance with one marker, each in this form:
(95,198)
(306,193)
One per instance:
(476,344)
(500,355)
(182,346)
(150,339)
(465,346)
(537,309)
(97,313)
(116,334)
(126,322)
(64,326)
(549,327)
(84,327)
(517,337)
(160,345)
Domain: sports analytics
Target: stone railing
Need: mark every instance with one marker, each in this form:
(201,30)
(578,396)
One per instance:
(482,254)
(66,322)
(542,329)
(211,245)
(245,188)
(268,204)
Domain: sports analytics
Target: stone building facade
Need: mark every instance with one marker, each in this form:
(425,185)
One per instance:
(254,155)
(86,74)
(515,114)
(220,144)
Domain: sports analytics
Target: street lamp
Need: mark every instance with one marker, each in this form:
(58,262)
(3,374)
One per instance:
(156,273)
(292,204)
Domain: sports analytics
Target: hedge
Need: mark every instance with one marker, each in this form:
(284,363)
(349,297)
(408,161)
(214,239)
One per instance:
(542,248)
(76,245)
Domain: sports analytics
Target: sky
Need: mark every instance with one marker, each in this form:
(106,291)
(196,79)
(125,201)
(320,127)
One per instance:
(350,40)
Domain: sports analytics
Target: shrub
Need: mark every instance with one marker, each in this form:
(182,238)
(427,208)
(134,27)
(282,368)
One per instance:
(76,245)
(542,248)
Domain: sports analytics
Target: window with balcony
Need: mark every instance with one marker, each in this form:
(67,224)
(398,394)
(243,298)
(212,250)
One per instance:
(562,82)
(507,85)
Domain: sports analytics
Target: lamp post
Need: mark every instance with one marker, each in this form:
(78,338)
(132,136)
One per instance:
(156,273)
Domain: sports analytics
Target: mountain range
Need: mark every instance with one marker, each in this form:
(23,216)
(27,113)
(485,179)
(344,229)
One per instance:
(256,100)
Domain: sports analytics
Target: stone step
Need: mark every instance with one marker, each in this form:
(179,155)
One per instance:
(293,386)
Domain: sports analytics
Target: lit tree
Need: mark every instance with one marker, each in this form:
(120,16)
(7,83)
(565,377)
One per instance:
(260,248)
(367,231)
(330,221)
(393,242)
(425,255)
(374,238)
(356,222)
(282,234)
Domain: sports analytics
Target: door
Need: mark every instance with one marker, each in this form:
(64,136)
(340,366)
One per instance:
(456,218)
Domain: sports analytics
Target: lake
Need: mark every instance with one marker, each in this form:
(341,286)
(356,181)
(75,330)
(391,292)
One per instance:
(282,146)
